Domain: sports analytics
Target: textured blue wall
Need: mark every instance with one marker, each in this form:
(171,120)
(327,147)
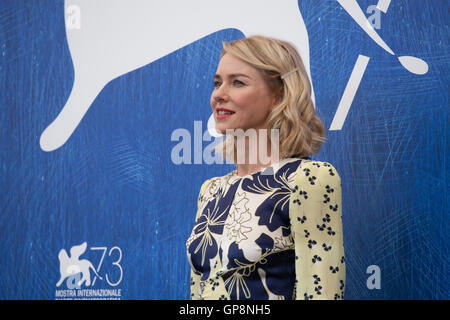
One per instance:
(392,150)
(113,184)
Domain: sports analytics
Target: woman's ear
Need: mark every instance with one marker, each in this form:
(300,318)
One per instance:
(277,98)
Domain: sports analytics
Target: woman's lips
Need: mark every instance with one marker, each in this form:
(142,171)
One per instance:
(223,116)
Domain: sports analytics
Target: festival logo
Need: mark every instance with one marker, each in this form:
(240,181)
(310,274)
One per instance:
(79,275)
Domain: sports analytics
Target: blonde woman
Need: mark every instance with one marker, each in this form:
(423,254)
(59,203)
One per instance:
(270,229)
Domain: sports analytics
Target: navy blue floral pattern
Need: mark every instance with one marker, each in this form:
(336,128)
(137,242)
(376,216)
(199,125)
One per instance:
(274,234)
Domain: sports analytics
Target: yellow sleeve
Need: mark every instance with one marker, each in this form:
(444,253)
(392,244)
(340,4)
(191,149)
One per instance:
(315,210)
(195,278)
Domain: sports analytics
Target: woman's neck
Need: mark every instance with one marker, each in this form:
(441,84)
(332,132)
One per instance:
(252,156)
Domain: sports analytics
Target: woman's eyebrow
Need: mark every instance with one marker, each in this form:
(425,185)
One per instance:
(234,75)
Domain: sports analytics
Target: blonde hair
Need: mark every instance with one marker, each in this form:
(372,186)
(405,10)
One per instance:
(301,133)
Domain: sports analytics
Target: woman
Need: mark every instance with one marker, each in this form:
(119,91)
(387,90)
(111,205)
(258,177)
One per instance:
(268,232)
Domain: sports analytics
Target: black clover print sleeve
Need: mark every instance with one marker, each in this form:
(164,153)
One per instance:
(315,210)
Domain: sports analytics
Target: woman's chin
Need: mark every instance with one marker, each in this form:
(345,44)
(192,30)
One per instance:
(223,129)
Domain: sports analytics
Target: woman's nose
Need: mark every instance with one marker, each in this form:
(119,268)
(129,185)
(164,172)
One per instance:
(221,93)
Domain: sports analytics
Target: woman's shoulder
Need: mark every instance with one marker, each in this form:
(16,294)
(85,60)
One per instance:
(318,164)
(312,170)
(211,184)
(205,185)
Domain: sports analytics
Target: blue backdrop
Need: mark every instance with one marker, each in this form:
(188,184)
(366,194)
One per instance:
(113,185)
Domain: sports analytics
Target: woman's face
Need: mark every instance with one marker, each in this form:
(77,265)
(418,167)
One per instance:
(240,88)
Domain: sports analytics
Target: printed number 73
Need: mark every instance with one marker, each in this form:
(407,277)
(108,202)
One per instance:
(115,263)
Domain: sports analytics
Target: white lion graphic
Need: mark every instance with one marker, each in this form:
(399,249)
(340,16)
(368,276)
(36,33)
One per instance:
(69,266)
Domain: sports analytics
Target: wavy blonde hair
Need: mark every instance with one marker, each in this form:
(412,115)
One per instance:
(301,133)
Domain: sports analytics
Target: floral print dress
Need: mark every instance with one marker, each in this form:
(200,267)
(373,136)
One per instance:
(274,234)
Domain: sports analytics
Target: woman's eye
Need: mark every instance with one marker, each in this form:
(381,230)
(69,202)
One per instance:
(236,82)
